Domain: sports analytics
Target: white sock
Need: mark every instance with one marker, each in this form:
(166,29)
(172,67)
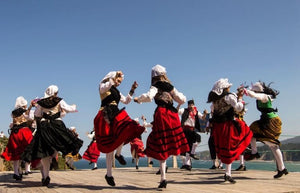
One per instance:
(27,167)
(16,164)
(109,160)
(228,169)
(277,154)
(194,146)
(163,165)
(46,166)
(119,149)
(242,160)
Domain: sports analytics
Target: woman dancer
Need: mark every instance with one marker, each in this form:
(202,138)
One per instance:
(20,137)
(167,137)
(113,127)
(231,136)
(92,153)
(51,135)
(268,128)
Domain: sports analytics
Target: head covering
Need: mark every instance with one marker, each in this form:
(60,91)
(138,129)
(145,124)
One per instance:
(111,74)
(158,70)
(191,102)
(20,102)
(220,85)
(50,91)
(72,128)
(257,87)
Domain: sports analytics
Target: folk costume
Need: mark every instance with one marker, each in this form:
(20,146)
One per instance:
(19,138)
(92,153)
(51,135)
(113,127)
(167,137)
(268,128)
(231,136)
(191,125)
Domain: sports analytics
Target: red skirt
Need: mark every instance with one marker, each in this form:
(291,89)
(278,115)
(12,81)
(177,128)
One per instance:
(122,130)
(92,153)
(230,141)
(17,143)
(137,148)
(167,137)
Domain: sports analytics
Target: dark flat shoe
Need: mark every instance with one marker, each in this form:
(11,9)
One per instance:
(281,173)
(163,184)
(110,180)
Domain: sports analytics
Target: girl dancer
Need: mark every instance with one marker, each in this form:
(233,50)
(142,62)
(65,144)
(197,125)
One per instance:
(268,128)
(231,136)
(92,153)
(20,137)
(51,135)
(113,127)
(167,137)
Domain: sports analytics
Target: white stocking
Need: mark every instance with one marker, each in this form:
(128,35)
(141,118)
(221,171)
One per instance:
(46,166)
(109,160)
(277,155)
(228,169)
(163,165)
(16,167)
(242,160)
(119,149)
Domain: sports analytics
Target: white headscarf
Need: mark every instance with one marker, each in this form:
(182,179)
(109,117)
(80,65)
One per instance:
(220,85)
(158,70)
(257,87)
(20,102)
(50,91)
(111,74)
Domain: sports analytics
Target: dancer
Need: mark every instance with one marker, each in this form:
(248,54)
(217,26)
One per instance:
(19,138)
(92,153)
(113,127)
(268,128)
(231,136)
(191,125)
(51,135)
(167,137)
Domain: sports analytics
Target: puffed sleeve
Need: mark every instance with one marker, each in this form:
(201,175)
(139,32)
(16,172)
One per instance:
(147,97)
(259,96)
(180,111)
(234,102)
(178,96)
(125,100)
(104,87)
(67,108)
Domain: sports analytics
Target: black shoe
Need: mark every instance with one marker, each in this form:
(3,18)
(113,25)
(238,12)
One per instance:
(186,167)
(213,167)
(229,178)
(194,157)
(241,168)
(90,163)
(220,167)
(251,156)
(95,168)
(132,161)
(110,180)
(46,181)
(120,159)
(17,177)
(163,184)
(151,162)
(280,173)
(137,167)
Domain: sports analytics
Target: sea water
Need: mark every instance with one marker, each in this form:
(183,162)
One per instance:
(202,164)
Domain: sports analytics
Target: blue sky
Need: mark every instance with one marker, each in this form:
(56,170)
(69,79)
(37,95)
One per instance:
(74,44)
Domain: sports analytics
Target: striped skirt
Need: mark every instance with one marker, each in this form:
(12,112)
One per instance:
(122,130)
(167,137)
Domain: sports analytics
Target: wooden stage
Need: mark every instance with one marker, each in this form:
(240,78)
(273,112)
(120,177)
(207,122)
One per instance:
(145,180)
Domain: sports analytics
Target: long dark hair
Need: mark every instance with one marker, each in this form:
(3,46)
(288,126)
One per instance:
(268,90)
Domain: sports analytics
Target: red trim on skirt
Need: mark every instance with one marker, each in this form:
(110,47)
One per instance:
(229,142)
(167,137)
(92,153)
(17,143)
(123,130)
